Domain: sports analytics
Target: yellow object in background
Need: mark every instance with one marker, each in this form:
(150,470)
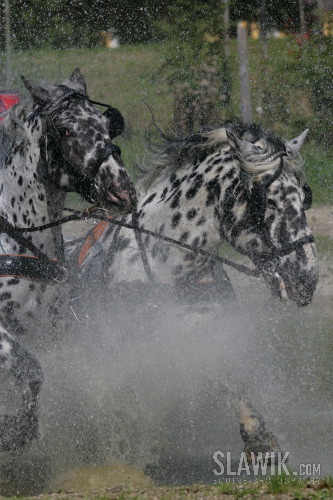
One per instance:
(255,31)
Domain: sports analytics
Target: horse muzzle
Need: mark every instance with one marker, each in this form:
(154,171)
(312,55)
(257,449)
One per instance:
(303,289)
(121,198)
(301,292)
(296,284)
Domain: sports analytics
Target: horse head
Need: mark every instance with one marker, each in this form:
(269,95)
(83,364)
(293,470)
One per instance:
(79,152)
(272,229)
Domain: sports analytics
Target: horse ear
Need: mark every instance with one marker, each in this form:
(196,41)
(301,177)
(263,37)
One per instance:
(297,143)
(117,122)
(78,80)
(236,143)
(232,139)
(40,95)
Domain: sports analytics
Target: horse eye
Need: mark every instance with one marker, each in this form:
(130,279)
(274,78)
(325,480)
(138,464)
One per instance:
(117,150)
(271,204)
(63,132)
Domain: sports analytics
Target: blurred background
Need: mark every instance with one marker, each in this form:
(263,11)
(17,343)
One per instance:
(183,59)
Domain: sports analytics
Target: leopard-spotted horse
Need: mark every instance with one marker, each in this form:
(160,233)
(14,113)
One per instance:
(53,142)
(237,184)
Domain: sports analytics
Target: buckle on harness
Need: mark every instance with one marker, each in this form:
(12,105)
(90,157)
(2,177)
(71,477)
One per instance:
(64,277)
(269,267)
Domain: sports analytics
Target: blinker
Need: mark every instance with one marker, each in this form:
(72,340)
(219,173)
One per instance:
(117,122)
(307,203)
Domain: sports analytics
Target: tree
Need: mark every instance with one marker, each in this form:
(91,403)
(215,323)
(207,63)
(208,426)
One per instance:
(58,23)
(195,62)
(279,15)
(72,23)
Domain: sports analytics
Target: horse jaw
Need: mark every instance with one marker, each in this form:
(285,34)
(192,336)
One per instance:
(116,193)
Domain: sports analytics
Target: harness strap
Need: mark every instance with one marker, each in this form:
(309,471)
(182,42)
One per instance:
(113,248)
(108,151)
(21,240)
(240,267)
(275,254)
(143,253)
(78,215)
(41,267)
(29,267)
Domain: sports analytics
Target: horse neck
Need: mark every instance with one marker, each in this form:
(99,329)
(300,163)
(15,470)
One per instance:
(199,219)
(28,198)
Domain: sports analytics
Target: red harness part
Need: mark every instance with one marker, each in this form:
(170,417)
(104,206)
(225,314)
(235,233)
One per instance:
(7,101)
(91,239)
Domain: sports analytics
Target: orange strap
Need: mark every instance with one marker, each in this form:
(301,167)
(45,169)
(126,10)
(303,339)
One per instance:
(91,239)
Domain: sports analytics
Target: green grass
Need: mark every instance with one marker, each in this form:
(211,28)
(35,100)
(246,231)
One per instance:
(324,246)
(130,76)
(276,487)
(319,173)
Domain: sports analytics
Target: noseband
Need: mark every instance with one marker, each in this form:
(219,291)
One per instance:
(270,261)
(86,184)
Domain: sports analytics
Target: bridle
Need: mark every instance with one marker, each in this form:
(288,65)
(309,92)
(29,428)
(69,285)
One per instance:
(269,261)
(85,184)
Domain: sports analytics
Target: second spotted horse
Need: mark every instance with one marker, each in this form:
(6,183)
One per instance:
(237,184)
(53,142)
